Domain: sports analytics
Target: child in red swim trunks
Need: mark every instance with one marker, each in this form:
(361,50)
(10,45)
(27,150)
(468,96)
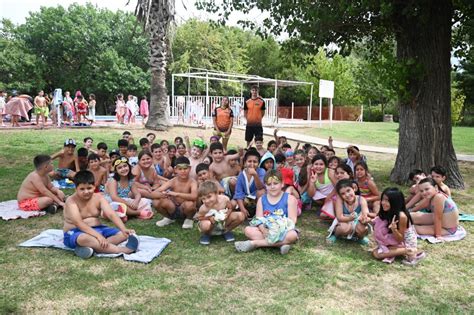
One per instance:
(36,192)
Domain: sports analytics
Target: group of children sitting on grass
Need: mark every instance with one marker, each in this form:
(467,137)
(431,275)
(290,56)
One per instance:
(199,181)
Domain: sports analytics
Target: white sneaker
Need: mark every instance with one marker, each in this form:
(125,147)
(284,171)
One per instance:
(164,222)
(188,224)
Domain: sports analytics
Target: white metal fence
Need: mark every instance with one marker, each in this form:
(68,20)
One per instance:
(194,110)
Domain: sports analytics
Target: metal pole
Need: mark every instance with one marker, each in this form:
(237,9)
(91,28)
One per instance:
(207,92)
(292,110)
(311,103)
(172,94)
(330,113)
(320,111)
(276,101)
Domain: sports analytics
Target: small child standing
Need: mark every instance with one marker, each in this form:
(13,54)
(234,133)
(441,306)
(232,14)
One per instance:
(132,109)
(81,109)
(223,119)
(394,230)
(36,192)
(215,215)
(120,109)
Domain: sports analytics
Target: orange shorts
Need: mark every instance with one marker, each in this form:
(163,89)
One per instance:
(30,204)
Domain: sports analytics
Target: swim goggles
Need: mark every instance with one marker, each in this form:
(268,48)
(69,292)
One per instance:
(120,160)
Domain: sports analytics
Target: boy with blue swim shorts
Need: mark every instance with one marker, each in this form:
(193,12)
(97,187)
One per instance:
(68,163)
(83,230)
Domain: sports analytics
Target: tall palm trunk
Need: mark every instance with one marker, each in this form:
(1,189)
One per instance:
(158,17)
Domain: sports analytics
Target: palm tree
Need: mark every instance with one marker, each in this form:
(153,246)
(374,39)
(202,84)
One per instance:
(157,17)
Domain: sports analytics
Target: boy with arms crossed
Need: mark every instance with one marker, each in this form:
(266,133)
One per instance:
(179,196)
(83,230)
(36,192)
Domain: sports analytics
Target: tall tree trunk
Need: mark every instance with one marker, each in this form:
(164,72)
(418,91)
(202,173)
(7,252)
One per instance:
(161,16)
(424,44)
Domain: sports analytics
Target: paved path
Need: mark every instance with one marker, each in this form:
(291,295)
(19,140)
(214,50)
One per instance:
(302,138)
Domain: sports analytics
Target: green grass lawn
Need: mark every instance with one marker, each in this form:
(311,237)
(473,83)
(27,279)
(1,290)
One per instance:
(190,278)
(381,134)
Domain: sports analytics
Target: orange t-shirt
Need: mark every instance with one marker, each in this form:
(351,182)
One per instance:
(223,118)
(254,109)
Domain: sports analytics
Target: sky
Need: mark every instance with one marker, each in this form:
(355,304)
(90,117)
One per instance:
(18,10)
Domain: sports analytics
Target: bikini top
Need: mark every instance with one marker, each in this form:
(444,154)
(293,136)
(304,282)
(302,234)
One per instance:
(357,210)
(142,179)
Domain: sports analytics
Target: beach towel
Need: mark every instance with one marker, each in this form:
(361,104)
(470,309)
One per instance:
(466,217)
(459,235)
(63,184)
(150,247)
(9,211)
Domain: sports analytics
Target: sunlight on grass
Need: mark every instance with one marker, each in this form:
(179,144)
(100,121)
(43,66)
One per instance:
(190,278)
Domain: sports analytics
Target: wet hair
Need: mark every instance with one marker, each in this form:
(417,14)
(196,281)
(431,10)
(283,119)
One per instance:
(334,158)
(438,170)
(397,205)
(321,157)
(182,160)
(270,143)
(143,141)
(122,143)
(144,152)
(280,158)
(130,176)
(88,138)
(272,173)
(343,183)
(102,145)
(252,152)
(93,157)
(414,172)
(363,165)
(132,147)
(202,167)
(84,177)
(82,152)
(346,169)
(40,160)
(216,146)
(151,134)
(208,187)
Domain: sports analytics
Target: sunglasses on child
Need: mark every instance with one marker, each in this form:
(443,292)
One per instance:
(120,160)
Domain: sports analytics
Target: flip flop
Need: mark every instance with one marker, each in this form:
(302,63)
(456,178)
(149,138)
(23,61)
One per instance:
(133,242)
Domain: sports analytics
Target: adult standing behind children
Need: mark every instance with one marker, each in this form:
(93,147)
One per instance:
(254,110)
(223,119)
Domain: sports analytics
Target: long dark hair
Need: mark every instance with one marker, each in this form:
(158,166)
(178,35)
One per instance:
(397,205)
(116,176)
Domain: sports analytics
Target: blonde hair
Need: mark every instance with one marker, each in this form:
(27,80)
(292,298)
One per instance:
(207,187)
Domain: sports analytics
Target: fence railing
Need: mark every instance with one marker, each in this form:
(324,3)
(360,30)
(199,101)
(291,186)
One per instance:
(194,110)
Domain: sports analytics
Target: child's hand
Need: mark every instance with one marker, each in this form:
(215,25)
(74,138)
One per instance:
(314,177)
(393,225)
(275,131)
(128,232)
(61,195)
(251,171)
(102,241)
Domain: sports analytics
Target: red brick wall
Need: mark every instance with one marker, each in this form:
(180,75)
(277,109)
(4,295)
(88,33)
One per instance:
(339,112)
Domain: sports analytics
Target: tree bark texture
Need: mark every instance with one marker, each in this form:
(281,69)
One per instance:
(161,16)
(424,44)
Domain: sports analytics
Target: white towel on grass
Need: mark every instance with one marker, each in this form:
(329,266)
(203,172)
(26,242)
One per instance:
(150,247)
(9,211)
(459,235)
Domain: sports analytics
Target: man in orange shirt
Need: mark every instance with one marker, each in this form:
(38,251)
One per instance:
(254,110)
(223,119)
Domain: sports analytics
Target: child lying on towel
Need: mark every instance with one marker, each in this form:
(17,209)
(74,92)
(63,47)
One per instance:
(83,230)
